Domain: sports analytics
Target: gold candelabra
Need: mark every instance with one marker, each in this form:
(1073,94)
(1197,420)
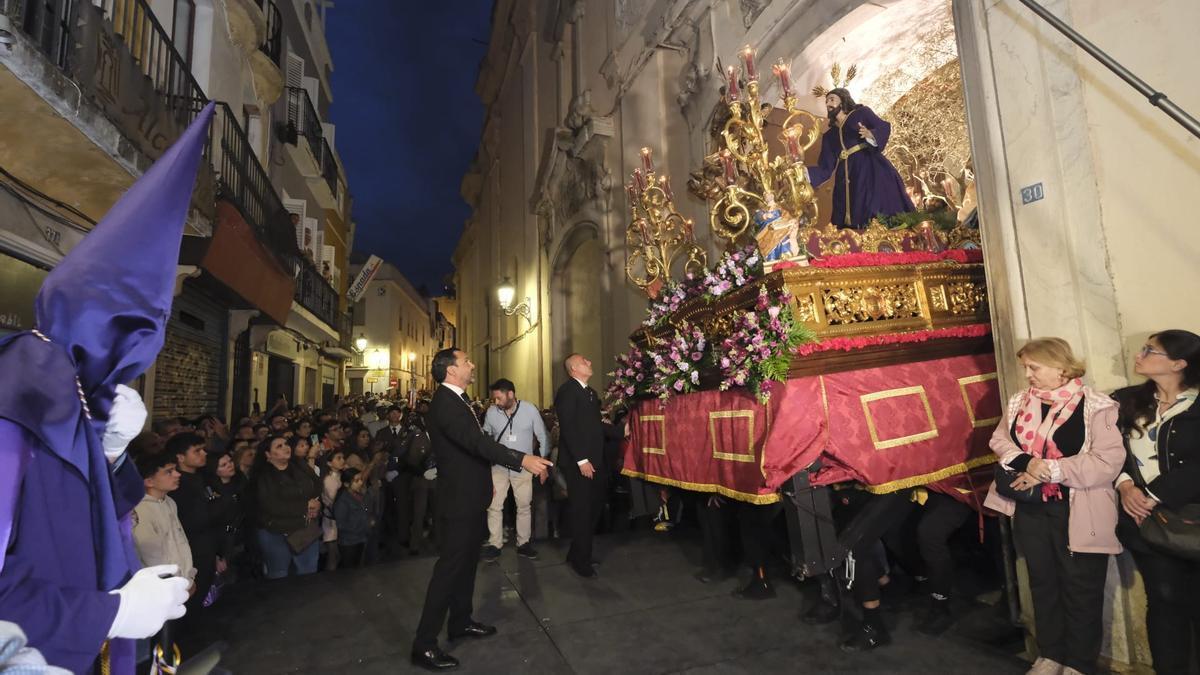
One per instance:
(657,234)
(750,179)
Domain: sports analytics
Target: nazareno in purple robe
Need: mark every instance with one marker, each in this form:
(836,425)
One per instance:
(64,509)
(875,185)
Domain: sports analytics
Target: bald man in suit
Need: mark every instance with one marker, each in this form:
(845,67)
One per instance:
(582,432)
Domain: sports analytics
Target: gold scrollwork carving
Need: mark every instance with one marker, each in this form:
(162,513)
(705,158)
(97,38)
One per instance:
(966,297)
(747,456)
(918,390)
(856,304)
(937,298)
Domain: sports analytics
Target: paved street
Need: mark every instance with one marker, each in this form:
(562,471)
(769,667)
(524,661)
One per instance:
(645,614)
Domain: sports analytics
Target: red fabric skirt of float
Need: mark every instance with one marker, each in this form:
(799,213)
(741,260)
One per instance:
(889,428)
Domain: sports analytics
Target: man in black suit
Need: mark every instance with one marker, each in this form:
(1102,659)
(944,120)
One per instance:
(581,458)
(465,456)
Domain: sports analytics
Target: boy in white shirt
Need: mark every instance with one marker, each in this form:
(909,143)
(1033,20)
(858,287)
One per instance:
(157,532)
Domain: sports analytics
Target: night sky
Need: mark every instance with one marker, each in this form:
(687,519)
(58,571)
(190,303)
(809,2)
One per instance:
(408,123)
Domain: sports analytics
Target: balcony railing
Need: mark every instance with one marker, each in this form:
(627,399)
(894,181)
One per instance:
(242,180)
(273,47)
(315,294)
(154,51)
(329,169)
(54,24)
(302,116)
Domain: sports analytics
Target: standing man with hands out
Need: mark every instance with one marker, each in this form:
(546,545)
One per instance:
(581,455)
(465,455)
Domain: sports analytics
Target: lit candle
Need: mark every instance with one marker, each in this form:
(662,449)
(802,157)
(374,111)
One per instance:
(639,180)
(688,228)
(732,91)
(633,194)
(748,62)
(666,187)
(647,162)
(730,170)
(785,77)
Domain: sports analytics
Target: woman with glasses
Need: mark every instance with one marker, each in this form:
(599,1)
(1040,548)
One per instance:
(1060,437)
(1160,421)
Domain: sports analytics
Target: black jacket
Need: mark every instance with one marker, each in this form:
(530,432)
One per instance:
(465,456)
(280,498)
(200,517)
(1178,443)
(581,432)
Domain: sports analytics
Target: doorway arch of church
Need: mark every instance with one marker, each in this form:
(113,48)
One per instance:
(576,296)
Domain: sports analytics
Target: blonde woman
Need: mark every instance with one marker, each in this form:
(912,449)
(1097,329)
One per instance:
(1061,439)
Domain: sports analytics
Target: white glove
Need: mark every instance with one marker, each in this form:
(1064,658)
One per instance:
(148,601)
(125,421)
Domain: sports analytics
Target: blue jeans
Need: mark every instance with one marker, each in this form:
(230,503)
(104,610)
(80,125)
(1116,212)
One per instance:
(277,555)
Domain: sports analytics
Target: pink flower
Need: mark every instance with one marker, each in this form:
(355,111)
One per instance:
(696,356)
(678,385)
(695,377)
(773,312)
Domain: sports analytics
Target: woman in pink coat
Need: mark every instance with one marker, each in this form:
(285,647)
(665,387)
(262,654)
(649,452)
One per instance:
(1061,438)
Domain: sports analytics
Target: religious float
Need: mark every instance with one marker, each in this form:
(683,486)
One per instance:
(807,355)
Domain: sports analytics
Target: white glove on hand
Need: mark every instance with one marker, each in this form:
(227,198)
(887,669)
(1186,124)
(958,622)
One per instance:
(148,601)
(125,421)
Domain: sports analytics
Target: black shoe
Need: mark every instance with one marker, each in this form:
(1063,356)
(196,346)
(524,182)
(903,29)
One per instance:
(757,589)
(866,637)
(490,554)
(937,619)
(474,630)
(434,659)
(526,551)
(821,613)
(584,571)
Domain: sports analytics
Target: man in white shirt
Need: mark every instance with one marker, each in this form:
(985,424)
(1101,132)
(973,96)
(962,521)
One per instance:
(514,424)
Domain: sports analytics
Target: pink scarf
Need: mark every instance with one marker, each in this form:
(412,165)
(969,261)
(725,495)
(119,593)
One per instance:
(1035,434)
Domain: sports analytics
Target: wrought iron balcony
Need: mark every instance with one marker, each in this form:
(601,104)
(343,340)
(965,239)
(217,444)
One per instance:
(315,294)
(68,32)
(273,46)
(329,168)
(302,116)
(242,180)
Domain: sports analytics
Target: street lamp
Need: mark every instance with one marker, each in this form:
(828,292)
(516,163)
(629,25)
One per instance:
(505,294)
(360,343)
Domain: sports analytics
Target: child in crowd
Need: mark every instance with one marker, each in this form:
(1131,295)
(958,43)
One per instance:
(157,533)
(353,517)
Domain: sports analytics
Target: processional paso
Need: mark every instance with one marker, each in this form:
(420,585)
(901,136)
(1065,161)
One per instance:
(819,348)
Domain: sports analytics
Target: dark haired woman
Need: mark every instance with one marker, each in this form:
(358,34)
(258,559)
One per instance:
(286,499)
(1161,424)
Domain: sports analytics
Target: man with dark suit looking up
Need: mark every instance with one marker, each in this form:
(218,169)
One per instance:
(465,456)
(581,458)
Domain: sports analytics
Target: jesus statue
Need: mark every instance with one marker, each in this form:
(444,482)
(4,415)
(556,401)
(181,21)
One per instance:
(865,182)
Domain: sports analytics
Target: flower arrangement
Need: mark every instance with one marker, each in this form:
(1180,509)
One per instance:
(734,270)
(676,365)
(757,352)
(755,355)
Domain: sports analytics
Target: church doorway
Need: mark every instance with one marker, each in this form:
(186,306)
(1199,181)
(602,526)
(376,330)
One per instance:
(577,300)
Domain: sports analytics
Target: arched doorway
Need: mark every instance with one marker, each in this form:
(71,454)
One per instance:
(577,298)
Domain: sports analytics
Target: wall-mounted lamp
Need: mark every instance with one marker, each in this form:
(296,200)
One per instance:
(505,294)
(360,343)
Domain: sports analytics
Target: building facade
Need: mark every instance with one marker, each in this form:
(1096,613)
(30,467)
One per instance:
(573,90)
(398,330)
(91,93)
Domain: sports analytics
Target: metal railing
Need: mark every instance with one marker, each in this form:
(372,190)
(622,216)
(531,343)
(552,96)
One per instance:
(242,180)
(329,168)
(315,294)
(302,115)
(273,46)
(154,51)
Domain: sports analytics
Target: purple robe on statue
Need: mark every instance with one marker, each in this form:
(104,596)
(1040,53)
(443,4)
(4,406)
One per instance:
(64,508)
(875,185)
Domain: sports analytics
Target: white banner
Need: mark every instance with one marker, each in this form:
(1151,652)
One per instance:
(364,277)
